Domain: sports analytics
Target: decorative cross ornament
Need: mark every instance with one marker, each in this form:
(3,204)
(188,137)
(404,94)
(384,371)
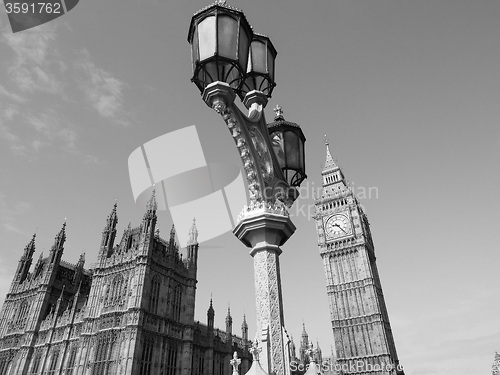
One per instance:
(278,110)
(235,363)
(255,350)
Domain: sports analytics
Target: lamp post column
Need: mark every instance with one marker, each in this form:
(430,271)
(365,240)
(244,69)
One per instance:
(265,227)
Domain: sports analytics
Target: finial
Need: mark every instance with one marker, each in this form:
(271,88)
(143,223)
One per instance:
(220,2)
(152,206)
(235,362)
(193,234)
(255,350)
(279,112)
(326,140)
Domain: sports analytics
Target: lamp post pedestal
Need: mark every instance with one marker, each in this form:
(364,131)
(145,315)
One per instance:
(265,227)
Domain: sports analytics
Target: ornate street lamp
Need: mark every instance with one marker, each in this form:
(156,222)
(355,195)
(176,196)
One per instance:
(288,144)
(219,36)
(225,64)
(260,71)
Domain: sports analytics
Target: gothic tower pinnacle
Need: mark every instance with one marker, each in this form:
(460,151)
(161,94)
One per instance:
(58,247)
(210,315)
(244,330)
(149,220)
(109,232)
(26,259)
(192,246)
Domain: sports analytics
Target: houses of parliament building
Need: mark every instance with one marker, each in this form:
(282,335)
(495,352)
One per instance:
(132,314)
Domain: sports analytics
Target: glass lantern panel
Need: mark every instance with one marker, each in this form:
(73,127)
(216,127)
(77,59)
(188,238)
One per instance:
(243,48)
(206,37)
(194,51)
(302,155)
(259,55)
(227,34)
(278,147)
(292,150)
(270,64)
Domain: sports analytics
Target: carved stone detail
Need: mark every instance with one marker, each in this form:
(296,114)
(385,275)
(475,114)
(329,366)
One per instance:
(270,305)
(234,127)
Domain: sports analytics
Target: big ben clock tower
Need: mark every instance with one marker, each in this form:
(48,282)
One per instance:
(361,329)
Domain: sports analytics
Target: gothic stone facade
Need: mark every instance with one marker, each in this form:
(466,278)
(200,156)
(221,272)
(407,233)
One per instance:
(132,314)
(361,329)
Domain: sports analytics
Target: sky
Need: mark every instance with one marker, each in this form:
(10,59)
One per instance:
(407,91)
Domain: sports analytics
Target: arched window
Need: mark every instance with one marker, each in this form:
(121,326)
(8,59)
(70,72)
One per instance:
(155,295)
(22,314)
(171,358)
(36,364)
(70,367)
(176,303)
(147,355)
(116,293)
(53,362)
(103,358)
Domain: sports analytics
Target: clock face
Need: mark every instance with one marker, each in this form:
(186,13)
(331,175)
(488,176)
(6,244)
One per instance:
(337,226)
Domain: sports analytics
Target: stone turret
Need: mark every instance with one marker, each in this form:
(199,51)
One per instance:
(25,261)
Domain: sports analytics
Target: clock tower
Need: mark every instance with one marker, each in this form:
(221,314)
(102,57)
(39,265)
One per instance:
(360,323)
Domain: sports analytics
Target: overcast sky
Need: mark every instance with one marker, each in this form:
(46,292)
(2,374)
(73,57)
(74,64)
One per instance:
(408,92)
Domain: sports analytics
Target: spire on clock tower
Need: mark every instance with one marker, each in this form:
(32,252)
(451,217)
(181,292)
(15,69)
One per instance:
(329,163)
(333,178)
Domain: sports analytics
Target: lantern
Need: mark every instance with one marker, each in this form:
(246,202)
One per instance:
(288,142)
(219,36)
(260,70)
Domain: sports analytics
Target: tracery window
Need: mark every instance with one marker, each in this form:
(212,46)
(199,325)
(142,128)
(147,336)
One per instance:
(116,292)
(103,359)
(53,362)
(4,365)
(147,355)
(176,303)
(155,295)
(71,361)
(22,314)
(36,364)
(171,358)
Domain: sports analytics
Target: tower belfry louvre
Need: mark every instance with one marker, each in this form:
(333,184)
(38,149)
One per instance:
(363,337)
(133,313)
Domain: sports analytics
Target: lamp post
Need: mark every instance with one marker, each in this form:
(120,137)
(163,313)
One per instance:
(230,60)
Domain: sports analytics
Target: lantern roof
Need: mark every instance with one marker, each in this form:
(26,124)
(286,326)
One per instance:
(279,120)
(220,3)
(217,4)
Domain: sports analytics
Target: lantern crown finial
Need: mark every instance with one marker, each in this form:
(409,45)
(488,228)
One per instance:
(279,113)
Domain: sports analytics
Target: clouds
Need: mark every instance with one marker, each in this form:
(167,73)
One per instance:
(52,129)
(36,65)
(102,90)
(9,212)
(43,91)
